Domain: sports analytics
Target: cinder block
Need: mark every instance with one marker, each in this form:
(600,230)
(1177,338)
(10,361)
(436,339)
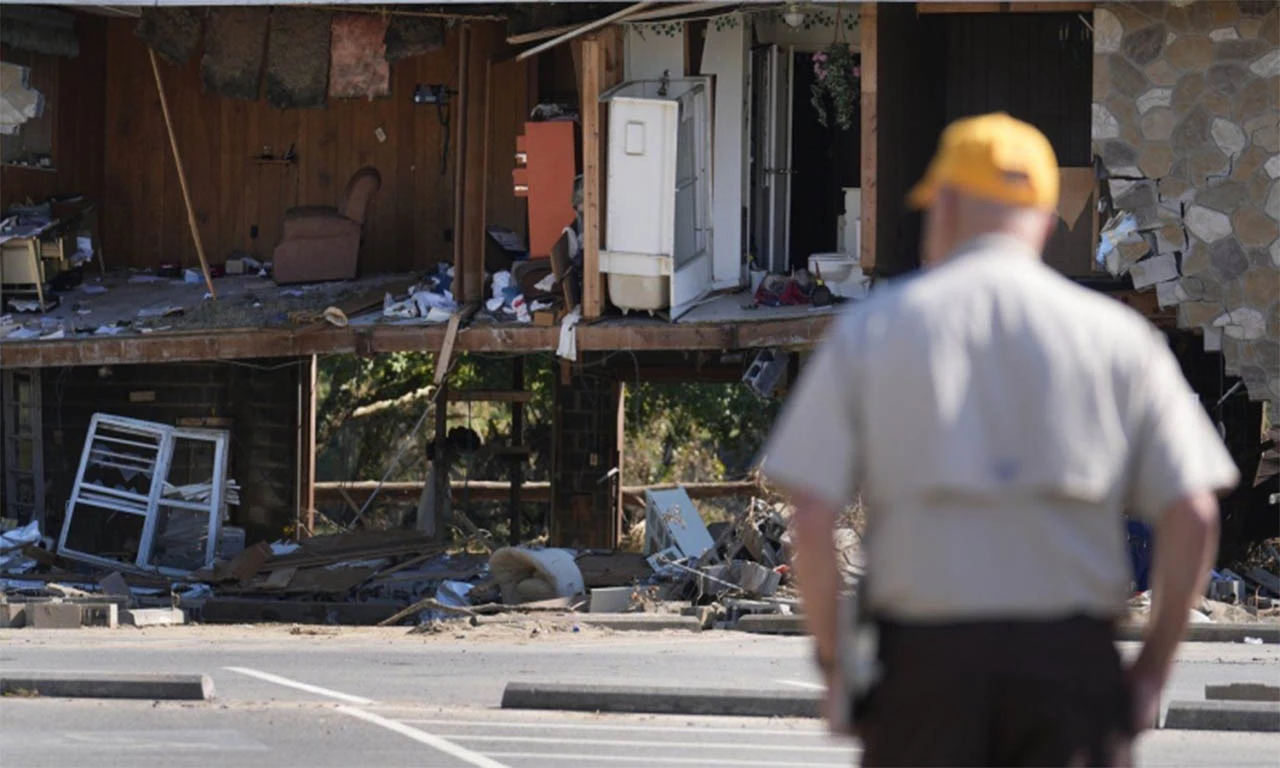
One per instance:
(13,615)
(103,615)
(155,617)
(1242,692)
(53,615)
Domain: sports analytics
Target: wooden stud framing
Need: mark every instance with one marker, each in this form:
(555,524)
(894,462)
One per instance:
(306,487)
(517,462)
(592,284)
(870,49)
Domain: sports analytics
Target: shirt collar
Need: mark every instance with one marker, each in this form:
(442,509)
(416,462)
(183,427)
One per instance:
(996,242)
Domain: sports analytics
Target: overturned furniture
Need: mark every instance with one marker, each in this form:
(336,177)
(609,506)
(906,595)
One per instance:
(323,243)
(147,497)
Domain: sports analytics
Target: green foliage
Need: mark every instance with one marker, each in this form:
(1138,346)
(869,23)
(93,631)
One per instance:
(675,432)
(838,83)
(693,432)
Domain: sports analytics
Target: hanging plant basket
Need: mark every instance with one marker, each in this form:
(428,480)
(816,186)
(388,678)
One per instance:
(837,86)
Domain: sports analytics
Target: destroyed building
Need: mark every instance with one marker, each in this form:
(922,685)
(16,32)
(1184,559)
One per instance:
(199,202)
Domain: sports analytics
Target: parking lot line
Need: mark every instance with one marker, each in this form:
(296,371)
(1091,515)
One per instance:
(645,743)
(431,740)
(618,727)
(278,680)
(647,760)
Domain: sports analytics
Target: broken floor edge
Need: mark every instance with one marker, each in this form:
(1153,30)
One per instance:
(253,343)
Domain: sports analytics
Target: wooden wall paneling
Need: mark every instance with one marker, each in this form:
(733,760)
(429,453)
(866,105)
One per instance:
(82,118)
(432,201)
(403,138)
(509,108)
(143,217)
(201,147)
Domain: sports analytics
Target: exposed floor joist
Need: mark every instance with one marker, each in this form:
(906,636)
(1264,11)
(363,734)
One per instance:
(609,335)
(248,343)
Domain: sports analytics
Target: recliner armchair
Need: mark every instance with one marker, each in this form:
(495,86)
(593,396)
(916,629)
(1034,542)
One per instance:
(323,243)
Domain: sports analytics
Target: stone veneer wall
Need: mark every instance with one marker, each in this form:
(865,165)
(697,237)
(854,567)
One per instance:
(1186,122)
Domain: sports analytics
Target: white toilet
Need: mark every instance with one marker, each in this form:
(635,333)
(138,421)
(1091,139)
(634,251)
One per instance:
(841,273)
(841,270)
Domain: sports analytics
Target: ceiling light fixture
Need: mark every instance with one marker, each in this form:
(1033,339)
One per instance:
(793,17)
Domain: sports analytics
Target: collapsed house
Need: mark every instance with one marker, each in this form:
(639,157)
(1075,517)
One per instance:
(199,202)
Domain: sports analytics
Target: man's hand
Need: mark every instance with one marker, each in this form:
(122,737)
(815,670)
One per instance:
(1145,686)
(1186,539)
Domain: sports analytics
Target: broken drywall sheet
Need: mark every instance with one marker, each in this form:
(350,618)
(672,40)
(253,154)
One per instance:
(298,58)
(233,52)
(359,68)
(409,36)
(173,33)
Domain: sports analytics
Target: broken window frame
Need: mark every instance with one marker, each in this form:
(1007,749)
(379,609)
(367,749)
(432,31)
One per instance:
(155,502)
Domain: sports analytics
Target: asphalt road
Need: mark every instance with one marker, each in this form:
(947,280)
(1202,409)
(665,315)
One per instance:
(385,698)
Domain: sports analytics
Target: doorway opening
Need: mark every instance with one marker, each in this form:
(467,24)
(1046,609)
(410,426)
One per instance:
(825,161)
(805,176)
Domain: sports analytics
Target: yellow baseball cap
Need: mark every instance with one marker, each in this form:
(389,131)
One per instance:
(993,157)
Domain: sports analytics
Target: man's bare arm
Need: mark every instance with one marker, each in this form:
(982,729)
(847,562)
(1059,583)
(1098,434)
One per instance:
(813,524)
(1186,541)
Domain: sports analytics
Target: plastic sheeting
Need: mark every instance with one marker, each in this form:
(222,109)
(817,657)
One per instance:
(12,560)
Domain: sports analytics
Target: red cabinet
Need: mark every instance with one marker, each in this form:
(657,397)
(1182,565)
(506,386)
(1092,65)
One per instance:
(546,165)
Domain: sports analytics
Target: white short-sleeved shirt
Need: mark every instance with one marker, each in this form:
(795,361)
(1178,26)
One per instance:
(997,420)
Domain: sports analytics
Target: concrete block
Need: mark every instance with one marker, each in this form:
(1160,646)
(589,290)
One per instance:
(155,617)
(661,700)
(641,622)
(53,615)
(1210,633)
(100,615)
(611,599)
(13,615)
(771,624)
(1223,716)
(107,685)
(1242,692)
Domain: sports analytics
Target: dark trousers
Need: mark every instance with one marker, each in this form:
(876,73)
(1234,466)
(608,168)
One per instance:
(1008,693)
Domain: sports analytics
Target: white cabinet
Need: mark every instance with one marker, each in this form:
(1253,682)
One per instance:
(657,240)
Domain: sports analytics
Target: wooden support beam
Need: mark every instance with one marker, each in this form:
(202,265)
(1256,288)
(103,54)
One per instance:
(592,181)
(490,396)
(460,162)
(531,492)
(924,8)
(306,486)
(870,136)
(517,462)
(182,178)
(961,7)
(481,43)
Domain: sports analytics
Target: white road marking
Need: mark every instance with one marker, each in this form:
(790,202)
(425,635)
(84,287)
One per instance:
(620,727)
(803,684)
(278,680)
(435,742)
(646,743)
(646,760)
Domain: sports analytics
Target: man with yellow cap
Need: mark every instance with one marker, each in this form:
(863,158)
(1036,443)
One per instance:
(996,420)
